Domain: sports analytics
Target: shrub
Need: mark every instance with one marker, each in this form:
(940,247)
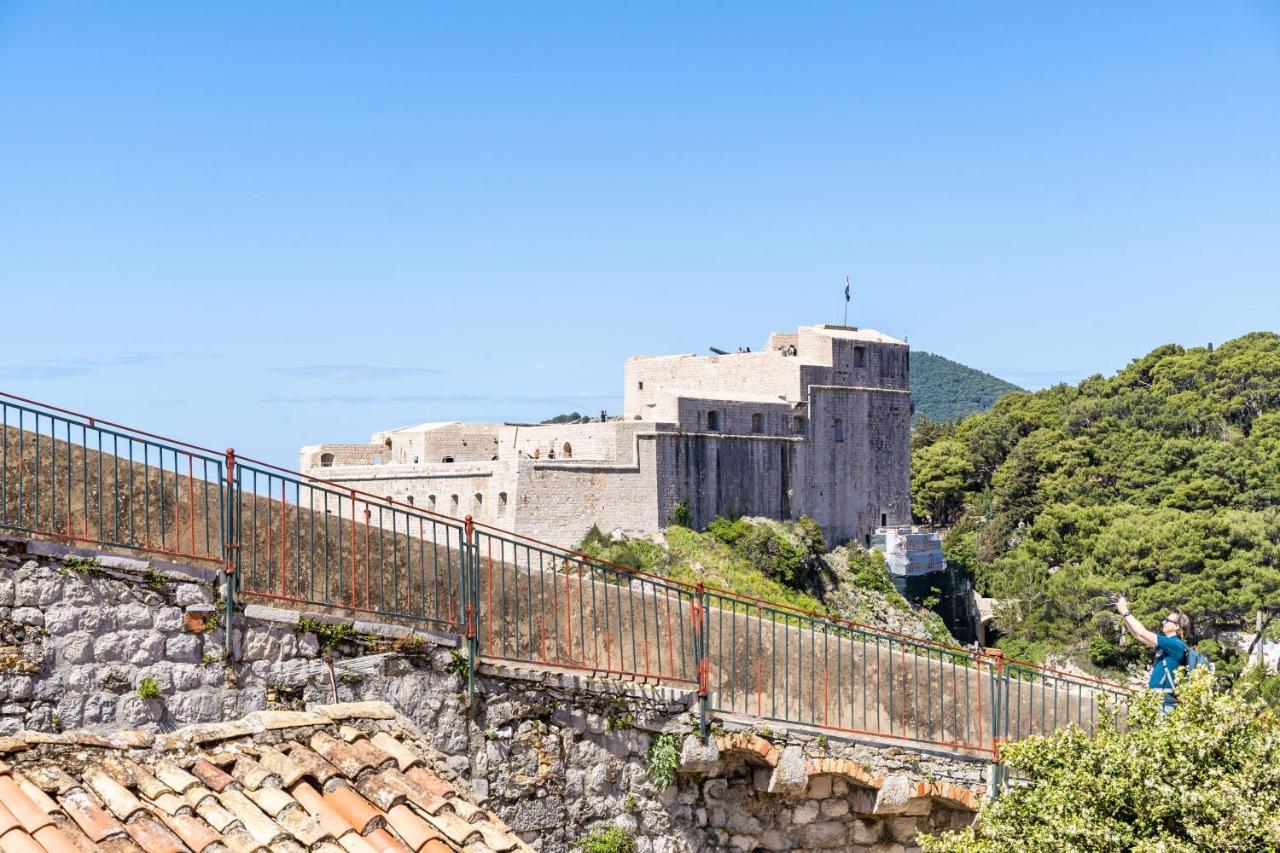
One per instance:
(680,516)
(148,688)
(664,759)
(1202,778)
(458,666)
(613,839)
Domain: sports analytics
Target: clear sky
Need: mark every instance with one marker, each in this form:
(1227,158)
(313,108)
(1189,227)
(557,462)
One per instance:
(272,224)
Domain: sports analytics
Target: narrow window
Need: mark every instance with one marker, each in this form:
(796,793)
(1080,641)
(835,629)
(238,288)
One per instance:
(839,429)
(859,356)
(431,502)
(477,501)
(713,421)
(567,450)
(409,500)
(453,504)
(447,459)
(326,460)
(757,423)
(884,520)
(502,501)
(799,425)
(640,386)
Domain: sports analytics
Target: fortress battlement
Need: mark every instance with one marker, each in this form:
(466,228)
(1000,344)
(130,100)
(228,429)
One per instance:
(817,423)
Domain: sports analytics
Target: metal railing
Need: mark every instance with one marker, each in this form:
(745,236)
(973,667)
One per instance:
(282,536)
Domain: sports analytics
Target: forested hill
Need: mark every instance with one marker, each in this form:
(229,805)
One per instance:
(945,390)
(1162,481)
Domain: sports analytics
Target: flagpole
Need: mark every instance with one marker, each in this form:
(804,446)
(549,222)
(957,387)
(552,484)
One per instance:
(846,301)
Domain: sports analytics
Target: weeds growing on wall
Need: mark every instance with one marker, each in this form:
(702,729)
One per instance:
(664,760)
(613,839)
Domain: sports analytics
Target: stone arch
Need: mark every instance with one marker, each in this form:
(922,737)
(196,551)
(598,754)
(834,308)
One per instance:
(754,748)
(846,768)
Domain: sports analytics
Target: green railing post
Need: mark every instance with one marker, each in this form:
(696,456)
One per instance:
(999,699)
(702,645)
(471,596)
(230,552)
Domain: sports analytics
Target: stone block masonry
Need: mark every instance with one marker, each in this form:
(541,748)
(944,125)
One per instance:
(554,754)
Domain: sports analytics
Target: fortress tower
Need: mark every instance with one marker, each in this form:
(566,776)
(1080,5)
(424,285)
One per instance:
(818,423)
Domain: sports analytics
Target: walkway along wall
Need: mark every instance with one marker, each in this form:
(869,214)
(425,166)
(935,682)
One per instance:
(306,542)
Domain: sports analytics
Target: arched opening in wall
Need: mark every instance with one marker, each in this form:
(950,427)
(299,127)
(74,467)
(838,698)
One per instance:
(326,460)
(502,501)
(567,450)
(409,500)
(799,425)
(431,502)
(476,501)
(839,429)
(453,504)
(447,459)
(884,520)
(859,356)
(640,385)
(757,422)
(713,421)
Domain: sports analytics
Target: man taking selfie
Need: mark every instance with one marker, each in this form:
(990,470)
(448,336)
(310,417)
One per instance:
(1170,645)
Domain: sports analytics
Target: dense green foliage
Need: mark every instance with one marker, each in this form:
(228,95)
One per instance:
(570,418)
(945,390)
(612,839)
(1162,481)
(780,562)
(1206,777)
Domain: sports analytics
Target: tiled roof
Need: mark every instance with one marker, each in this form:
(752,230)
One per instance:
(351,778)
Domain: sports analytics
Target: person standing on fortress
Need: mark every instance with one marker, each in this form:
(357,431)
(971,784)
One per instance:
(1170,644)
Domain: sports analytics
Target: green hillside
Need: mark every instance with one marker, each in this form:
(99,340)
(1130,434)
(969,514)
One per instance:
(1162,481)
(945,390)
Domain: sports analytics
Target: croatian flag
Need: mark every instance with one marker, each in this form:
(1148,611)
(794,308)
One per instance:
(846,288)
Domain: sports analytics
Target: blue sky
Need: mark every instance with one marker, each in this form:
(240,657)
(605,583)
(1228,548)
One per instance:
(274,224)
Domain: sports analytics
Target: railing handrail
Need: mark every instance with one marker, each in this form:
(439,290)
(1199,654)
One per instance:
(817,619)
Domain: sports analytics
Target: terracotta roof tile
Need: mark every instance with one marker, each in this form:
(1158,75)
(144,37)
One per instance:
(385,842)
(344,756)
(116,797)
(405,757)
(355,809)
(91,818)
(208,773)
(174,776)
(153,837)
(263,829)
(274,761)
(415,831)
(16,840)
(15,805)
(330,820)
(193,831)
(313,765)
(318,786)
(301,825)
(53,840)
(251,774)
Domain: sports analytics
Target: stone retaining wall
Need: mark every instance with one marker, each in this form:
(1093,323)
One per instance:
(554,753)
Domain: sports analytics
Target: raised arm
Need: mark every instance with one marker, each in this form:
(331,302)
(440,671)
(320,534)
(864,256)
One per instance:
(1131,623)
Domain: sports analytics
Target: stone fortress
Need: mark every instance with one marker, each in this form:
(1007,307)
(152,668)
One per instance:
(817,423)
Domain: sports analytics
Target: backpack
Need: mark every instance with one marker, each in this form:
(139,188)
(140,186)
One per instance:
(1196,660)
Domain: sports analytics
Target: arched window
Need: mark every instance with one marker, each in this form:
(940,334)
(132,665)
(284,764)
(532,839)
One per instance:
(757,422)
(713,421)
(839,430)
(567,450)
(409,500)
(502,501)
(477,500)
(453,504)
(859,356)
(326,460)
(431,502)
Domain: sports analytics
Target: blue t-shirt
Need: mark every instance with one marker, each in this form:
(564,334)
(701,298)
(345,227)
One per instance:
(1171,653)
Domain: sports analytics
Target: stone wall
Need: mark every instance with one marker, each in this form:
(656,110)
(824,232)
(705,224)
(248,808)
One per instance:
(555,754)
